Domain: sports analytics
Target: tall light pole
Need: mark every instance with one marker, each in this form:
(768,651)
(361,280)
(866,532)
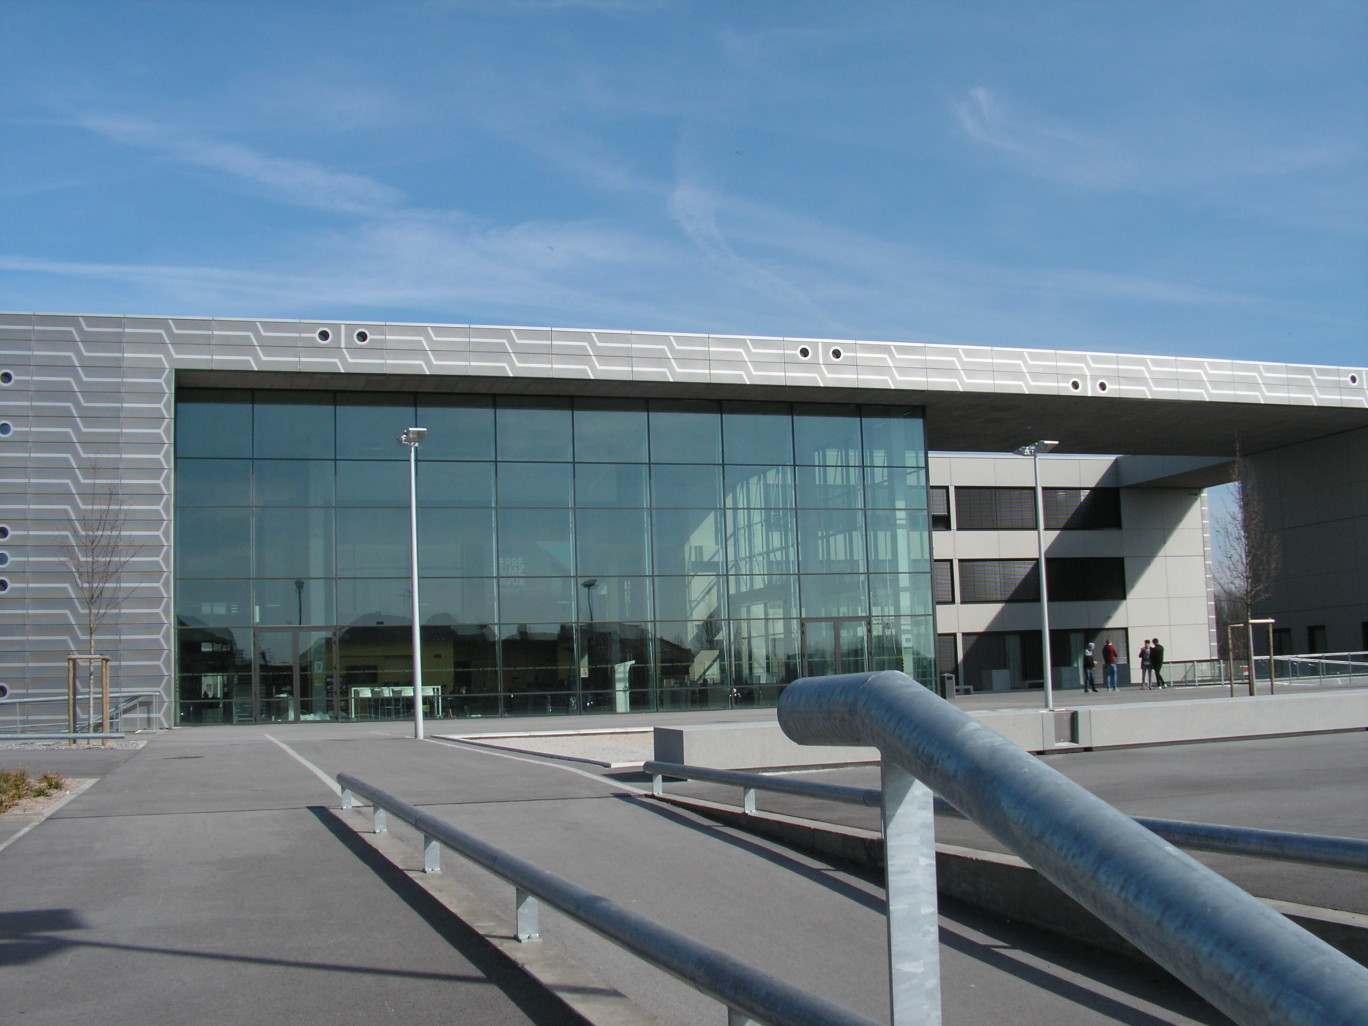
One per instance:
(1034,450)
(411,437)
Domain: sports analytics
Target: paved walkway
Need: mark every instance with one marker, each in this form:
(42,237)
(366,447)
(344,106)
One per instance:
(208,878)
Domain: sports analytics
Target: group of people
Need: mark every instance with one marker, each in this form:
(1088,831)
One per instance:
(1151,666)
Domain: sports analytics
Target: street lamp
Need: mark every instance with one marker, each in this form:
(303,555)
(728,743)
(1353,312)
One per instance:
(1034,450)
(411,437)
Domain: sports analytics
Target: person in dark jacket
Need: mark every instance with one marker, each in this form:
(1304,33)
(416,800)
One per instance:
(1157,664)
(1088,664)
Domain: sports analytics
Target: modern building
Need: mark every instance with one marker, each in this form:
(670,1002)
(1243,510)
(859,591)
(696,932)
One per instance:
(607,520)
(1123,564)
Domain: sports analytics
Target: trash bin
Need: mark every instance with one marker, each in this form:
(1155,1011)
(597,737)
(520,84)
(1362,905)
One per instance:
(947,685)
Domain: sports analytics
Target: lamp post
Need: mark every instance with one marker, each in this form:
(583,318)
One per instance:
(1034,450)
(411,437)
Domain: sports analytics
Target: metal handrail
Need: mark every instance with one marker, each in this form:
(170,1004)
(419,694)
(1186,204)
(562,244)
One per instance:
(741,987)
(1246,959)
(1325,850)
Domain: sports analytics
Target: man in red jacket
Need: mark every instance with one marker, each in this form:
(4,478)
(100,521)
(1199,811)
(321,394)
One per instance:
(1109,665)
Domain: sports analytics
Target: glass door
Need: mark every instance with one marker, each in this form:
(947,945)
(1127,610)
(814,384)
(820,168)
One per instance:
(835,645)
(296,676)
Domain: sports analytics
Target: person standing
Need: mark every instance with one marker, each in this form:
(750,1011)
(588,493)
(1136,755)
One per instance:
(1157,664)
(1146,666)
(1109,656)
(1088,664)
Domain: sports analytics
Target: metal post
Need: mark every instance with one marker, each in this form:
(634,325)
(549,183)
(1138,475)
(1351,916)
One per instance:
(432,855)
(526,907)
(378,820)
(1034,450)
(913,928)
(748,800)
(411,437)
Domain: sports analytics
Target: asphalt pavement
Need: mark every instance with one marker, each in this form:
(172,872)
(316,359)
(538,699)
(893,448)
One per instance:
(209,878)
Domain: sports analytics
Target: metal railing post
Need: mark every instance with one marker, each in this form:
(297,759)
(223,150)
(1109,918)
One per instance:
(526,913)
(347,800)
(657,784)
(748,800)
(913,929)
(432,855)
(379,824)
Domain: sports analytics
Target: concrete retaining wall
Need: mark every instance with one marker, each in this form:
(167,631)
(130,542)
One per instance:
(1116,725)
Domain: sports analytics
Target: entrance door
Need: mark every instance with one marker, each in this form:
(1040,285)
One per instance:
(296,676)
(835,645)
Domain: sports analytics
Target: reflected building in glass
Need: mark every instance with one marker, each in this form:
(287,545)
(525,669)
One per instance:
(576,554)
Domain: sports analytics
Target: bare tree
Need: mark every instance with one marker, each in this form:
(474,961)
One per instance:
(97,552)
(1249,555)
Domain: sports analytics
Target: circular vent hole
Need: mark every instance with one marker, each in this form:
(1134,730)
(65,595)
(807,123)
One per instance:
(836,354)
(1353,379)
(1075,385)
(5,428)
(1101,386)
(6,378)
(4,532)
(324,335)
(4,584)
(362,336)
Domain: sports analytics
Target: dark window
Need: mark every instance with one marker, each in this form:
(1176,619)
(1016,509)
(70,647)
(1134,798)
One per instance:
(999,580)
(1282,640)
(1315,638)
(947,655)
(939,498)
(1082,509)
(995,509)
(1092,579)
(943,582)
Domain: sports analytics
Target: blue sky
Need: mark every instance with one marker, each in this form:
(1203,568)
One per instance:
(1154,177)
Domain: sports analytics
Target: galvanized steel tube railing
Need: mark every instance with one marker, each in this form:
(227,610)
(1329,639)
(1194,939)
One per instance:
(1247,960)
(1306,849)
(763,997)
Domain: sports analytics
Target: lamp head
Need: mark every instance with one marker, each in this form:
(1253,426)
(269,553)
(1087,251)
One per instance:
(1036,448)
(412,436)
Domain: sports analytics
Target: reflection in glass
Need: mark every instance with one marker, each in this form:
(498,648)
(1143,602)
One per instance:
(759,487)
(292,602)
(758,596)
(214,684)
(468,600)
(686,485)
(294,483)
(894,437)
(688,431)
(611,541)
(614,598)
(368,426)
(533,429)
(834,595)
(213,603)
(293,425)
(693,666)
(906,644)
(696,597)
(899,540)
(534,543)
(213,482)
(455,542)
(214,542)
(764,656)
(535,484)
(620,485)
(531,599)
(757,433)
(826,435)
(829,487)
(459,428)
(373,542)
(540,672)
(761,541)
(687,541)
(900,594)
(831,541)
(375,602)
(455,484)
(895,487)
(373,483)
(615,667)
(214,423)
(610,431)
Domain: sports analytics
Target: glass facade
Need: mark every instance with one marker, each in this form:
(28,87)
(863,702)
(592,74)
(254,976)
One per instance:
(576,555)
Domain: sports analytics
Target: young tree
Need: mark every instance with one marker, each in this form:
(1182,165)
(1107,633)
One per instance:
(97,553)
(1248,558)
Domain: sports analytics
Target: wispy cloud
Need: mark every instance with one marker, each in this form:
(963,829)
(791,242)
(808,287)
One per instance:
(290,180)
